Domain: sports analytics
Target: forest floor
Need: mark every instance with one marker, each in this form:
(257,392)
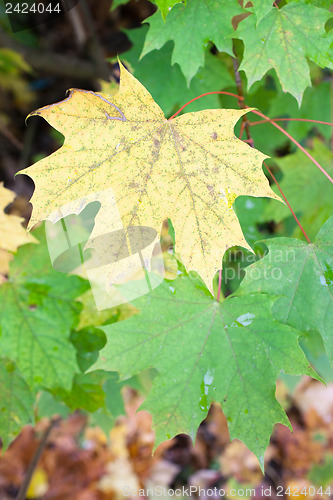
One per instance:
(80,462)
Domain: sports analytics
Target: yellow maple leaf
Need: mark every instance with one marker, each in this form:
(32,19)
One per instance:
(12,233)
(189,169)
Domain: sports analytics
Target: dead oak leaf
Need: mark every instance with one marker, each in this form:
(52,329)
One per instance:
(189,169)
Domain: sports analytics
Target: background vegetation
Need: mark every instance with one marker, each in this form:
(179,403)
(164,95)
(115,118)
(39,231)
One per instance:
(178,52)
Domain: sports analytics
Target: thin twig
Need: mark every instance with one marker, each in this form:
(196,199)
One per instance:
(241,130)
(35,459)
(259,122)
(76,22)
(11,137)
(268,120)
(287,203)
(250,141)
(199,97)
(51,62)
(95,47)
(295,142)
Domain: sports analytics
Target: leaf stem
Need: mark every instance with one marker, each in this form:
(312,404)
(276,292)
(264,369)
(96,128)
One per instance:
(220,286)
(241,103)
(268,120)
(287,202)
(290,120)
(295,142)
(241,130)
(199,97)
(246,126)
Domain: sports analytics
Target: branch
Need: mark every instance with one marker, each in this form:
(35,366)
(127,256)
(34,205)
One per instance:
(35,459)
(241,103)
(95,47)
(287,203)
(53,63)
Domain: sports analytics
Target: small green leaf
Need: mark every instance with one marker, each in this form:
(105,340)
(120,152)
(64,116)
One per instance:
(114,405)
(16,406)
(191,28)
(283,40)
(87,342)
(86,392)
(38,309)
(261,8)
(302,274)
(49,406)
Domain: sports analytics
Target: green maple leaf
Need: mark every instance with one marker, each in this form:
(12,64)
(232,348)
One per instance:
(37,311)
(206,351)
(166,5)
(303,275)
(306,188)
(86,392)
(191,27)
(283,40)
(261,8)
(16,407)
(155,68)
(325,4)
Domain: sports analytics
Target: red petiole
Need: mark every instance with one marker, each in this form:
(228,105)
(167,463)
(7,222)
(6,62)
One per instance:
(272,121)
